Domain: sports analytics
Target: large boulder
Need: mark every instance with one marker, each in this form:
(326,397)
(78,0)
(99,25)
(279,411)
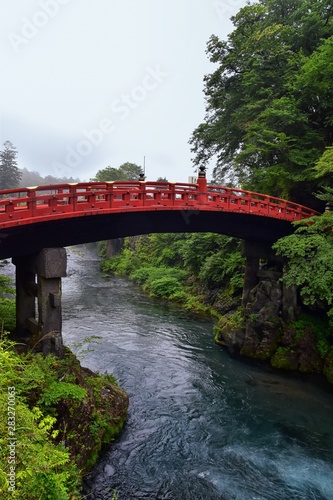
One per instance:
(263,328)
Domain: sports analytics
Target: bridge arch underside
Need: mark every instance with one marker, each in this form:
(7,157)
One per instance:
(28,239)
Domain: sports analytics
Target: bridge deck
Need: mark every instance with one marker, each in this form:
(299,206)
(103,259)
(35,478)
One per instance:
(32,205)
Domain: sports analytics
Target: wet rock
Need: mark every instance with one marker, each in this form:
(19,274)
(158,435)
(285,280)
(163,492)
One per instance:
(309,360)
(285,359)
(231,333)
(328,366)
(263,321)
(109,470)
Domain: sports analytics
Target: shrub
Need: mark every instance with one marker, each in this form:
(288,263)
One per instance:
(7,314)
(165,287)
(61,390)
(42,468)
(141,275)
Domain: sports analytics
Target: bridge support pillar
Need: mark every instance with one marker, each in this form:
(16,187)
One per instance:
(38,298)
(250,277)
(254,251)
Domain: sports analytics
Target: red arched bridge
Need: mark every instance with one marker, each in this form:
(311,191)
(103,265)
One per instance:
(60,215)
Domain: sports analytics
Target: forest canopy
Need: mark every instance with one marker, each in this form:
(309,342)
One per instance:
(269,102)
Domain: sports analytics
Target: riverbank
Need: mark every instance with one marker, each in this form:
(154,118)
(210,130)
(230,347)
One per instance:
(204,274)
(61,416)
(200,424)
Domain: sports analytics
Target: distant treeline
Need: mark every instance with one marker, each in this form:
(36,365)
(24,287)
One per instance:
(35,179)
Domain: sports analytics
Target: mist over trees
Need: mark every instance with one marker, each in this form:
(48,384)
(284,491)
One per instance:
(12,177)
(33,178)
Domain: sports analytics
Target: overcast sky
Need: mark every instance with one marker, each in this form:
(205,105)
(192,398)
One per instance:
(91,83)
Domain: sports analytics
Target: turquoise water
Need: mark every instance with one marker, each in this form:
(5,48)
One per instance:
(201,425)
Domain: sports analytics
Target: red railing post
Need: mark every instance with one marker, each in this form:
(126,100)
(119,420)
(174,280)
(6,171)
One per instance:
(109,194)
(172,197)
(10,209)
(202,186)
(72,198)
(142,195)
(32,201)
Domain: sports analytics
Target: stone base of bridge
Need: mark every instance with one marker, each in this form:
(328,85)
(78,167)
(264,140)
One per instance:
(38,299)
(255,252)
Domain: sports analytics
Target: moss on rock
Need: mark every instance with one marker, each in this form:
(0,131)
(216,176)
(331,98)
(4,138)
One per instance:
(85,425)
(284,359)
(328,366)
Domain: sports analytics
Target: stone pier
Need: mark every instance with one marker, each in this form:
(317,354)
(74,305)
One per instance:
(38,298)
(254,252)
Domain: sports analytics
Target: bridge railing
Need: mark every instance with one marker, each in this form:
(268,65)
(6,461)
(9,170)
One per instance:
(55,200)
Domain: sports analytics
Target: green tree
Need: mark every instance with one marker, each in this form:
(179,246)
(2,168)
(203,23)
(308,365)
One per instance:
(127,171)
(309,253)
(260,124)
(315,80)
(7,305)
(10,174)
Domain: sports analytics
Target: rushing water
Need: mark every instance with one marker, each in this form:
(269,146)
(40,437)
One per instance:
(201,425)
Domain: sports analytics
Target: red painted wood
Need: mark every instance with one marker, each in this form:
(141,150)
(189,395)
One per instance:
(30,205)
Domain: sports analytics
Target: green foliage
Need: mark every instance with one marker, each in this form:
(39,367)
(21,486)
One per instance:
(172,266)
(52,409)
(57,391)
(198,247)
(103,427)
(269,100)
(101,248)
(161,281)
(324,166)
(127,171)
(142,275)
(10,174)
(326,194)
(310,259)
(85,343)
(319,326)
(222,268)
(42,468)
(5,286)
(284,358)
(123,264)
(147,275)
(167,287)
(7,305)
(7,314)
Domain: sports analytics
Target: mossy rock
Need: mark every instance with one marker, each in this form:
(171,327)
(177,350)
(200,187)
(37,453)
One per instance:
(230,332)
(328,366)
(249,352)
(285,359)
(89,424)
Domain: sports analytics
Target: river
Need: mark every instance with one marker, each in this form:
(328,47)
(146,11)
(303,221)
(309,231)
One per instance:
(201,426)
